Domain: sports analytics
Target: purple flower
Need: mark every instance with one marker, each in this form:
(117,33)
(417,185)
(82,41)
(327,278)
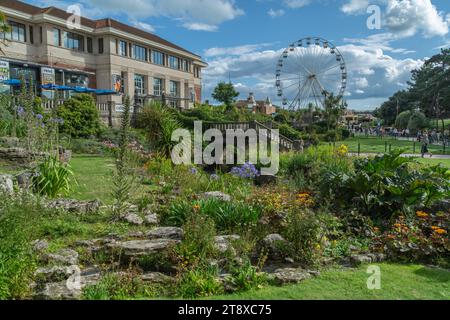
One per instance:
(246,171)
(194,170)
(214,177)
(39,116)
(20,110)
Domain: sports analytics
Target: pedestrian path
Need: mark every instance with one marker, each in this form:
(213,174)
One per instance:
(407,155)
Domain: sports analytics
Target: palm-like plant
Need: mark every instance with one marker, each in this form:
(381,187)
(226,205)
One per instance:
(4,28)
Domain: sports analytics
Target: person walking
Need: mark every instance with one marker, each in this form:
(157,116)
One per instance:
(425,143)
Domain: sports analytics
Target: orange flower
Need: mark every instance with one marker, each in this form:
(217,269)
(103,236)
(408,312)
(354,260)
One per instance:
(422,214)
(440,231)
(397,225)
(196,207)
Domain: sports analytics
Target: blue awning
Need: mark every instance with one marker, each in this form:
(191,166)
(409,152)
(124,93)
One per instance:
(102,92)
(49,86)
(11,82)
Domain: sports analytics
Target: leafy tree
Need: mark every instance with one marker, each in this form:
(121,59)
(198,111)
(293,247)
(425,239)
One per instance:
(80,115)
(225,93)
(417,121)
(333,108)
(402,120)
(4,28)
(401,101)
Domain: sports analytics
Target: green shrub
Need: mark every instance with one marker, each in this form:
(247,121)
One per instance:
(246,277)
(160,122)
(227,216)
(198,283)
(80,115)
(53,178)
(304,233)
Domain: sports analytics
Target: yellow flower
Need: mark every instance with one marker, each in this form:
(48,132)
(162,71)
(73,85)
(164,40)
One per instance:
(196,207)
(342,150)
(440,231)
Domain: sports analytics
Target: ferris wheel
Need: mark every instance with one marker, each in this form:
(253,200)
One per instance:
(309,70)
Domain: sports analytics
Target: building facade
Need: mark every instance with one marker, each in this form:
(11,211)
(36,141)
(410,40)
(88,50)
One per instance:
(46,46)
(257,106)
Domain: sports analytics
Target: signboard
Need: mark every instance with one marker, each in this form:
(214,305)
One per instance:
(117,83)
(4,70)
(48,77)
(4,75)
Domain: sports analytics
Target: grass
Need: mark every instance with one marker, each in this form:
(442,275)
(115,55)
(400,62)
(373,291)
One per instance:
(94,177)
(398,282)
(431,161)
(378,145)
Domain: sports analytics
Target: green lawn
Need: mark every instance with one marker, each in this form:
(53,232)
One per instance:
(94,177)
(378,145)
(398,282)
(431,161)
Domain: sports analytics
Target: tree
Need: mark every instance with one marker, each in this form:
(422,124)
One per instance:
(417,121)
(4,28)
(402,120)
(80,115)
(225,93)
(401,101)
(333,108)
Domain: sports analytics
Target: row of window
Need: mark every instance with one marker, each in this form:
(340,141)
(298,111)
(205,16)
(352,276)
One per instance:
(158,86)
(143,54)
(76,42)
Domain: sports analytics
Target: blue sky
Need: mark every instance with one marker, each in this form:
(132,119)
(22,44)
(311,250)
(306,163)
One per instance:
(244,38)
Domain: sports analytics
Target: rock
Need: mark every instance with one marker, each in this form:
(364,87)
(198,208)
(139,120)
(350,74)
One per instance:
(20,155)
(358,259)
(63,256)
(151,219)
(137,248)
(136,234)
(75,206)
(290,275)
(156,278)
(166,233)
(25,180)
(223,243)
(6,183)
(70,289)
(263,180)
(217,195)
(9,141)
(273,243)
(40,245)
(133,218)
(54,274)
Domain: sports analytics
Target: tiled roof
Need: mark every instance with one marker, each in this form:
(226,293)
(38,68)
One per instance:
(95,24)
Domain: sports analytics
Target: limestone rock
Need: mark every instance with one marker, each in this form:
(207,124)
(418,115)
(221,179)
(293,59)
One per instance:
(359,259)
(156,278)
(151,219)
(25,180)
(166,233)
(40,245)
(133,218)
(62,257)
(273,243)
(223,243)
(137,248)
(217,195)
(75,206)
(6,183)
(291,275)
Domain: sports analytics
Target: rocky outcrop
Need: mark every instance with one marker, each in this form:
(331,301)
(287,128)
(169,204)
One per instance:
(133,218)
(76,206)
(6,183)
(139,248)
(358,259)
(151,219)
(19,156)
(273,244)
(166,233)
(224,243)
(65,257)
(291,275)
(217,195)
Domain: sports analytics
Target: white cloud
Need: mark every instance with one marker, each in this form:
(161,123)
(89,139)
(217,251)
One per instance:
(295,4)
(405,18)
(196,26)
(145,26)
(276,13)
(408,17)
(235,51)
(195,13)
(355,6)
(373,74)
